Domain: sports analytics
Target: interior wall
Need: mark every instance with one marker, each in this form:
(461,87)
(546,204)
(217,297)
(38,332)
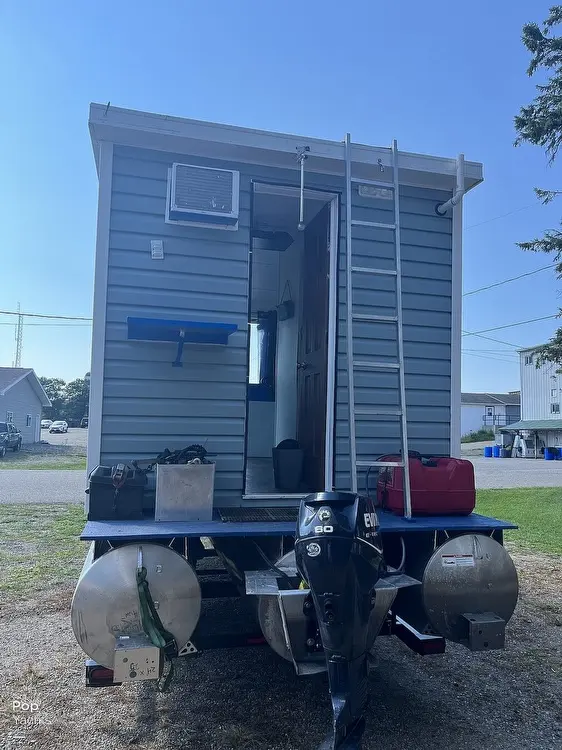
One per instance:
(261,414)
(287,344)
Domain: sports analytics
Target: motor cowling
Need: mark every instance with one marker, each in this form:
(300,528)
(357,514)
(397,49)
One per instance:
(339,554)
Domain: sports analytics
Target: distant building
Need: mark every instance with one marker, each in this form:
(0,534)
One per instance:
(541,397)
(22,400)
(488,410)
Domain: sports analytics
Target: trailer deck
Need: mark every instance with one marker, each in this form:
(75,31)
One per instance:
(151,530)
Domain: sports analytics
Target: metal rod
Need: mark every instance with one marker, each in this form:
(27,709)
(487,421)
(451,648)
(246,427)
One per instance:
(401,371)
(349,303)
(301,158)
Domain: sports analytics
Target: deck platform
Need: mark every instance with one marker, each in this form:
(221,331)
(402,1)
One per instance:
(151,530)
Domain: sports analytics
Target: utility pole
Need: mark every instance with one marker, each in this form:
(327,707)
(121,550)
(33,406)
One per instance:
(19,338)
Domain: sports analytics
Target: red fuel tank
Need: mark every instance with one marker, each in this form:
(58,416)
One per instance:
(439,486)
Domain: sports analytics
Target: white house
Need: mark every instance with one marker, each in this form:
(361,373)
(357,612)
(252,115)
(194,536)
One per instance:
(22,400)
(541,396)
(488,410)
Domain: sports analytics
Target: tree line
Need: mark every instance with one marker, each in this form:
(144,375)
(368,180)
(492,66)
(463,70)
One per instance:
(69,401)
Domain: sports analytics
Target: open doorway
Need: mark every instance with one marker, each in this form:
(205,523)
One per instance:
(291,342)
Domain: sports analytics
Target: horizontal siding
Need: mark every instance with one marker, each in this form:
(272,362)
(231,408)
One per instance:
(426,252)
(148,405)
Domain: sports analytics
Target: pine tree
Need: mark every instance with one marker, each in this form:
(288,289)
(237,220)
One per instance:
(540,123)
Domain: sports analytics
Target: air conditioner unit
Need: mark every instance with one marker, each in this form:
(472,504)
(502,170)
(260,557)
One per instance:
(203,196)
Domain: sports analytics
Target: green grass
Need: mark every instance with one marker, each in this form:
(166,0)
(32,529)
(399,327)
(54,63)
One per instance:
(478,437)
(39,546)
(536,510)
(42,462)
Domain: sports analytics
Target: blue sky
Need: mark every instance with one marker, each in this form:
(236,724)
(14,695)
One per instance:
(441,78)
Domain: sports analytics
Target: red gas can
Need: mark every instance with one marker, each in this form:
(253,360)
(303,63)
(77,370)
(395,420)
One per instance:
(439,486)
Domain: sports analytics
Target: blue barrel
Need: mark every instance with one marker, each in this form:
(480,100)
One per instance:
(549,454)
(488,451)
(496,451)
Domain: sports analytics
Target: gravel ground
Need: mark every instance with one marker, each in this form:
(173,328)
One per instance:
(250,699)
(37,486)
(76,436)
(497,473)
(475,449)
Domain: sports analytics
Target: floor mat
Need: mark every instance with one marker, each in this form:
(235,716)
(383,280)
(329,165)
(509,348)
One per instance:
(258,514)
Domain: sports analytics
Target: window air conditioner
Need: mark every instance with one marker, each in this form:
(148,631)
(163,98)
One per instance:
(203,196)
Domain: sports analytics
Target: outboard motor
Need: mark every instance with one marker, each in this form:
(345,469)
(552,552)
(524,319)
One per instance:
(339,554)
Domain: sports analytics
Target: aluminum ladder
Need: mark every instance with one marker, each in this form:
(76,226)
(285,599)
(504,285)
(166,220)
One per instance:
(353,271)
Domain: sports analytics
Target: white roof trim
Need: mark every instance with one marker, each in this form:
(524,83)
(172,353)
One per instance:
(36,385)
(129,127)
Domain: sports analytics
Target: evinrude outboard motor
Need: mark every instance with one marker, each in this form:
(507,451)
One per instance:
(339,554)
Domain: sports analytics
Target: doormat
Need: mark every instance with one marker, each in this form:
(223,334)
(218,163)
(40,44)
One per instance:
(258,514)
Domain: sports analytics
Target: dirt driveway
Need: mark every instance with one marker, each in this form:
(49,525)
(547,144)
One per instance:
(251,700)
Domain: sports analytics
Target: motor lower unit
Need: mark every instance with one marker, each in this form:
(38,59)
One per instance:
(106,608)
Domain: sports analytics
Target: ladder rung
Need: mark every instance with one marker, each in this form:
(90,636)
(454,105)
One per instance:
(368,411)
(375,183)
(377,464)
(380,271)
(376,224)
(382,365)
(375,318)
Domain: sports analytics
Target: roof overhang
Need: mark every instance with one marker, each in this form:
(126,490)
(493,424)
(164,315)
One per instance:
(177,135)
(533,424)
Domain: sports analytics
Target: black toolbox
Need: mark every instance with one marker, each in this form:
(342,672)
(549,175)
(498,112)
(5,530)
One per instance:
(108,502)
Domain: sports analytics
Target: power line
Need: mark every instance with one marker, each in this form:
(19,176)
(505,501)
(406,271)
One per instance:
(489,338)
(502,216)
(50,325)
(493,353)
(509,325)
(40,315)
(506,281)
(491,358)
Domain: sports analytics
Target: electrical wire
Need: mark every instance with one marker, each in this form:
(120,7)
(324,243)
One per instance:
(491,358)
(493,351)
(502,216)
(489,338)
(509,325)
(41,315)
(507,281)
(49,325)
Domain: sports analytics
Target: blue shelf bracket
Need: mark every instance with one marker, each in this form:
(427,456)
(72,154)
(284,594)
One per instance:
(180,332)
(177,362)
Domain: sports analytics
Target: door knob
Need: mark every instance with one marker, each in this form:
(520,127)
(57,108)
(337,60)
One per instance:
(302,365)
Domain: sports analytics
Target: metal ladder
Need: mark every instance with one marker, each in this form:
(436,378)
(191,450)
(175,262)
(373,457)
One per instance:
(352,317)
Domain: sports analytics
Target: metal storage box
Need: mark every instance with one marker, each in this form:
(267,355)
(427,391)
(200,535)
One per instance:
(184,492)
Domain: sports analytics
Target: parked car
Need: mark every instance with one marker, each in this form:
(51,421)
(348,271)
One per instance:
(10,437)
(46,423)
(84,422)
(59,426)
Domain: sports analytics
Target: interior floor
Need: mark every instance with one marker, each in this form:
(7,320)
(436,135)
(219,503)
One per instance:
(259,478)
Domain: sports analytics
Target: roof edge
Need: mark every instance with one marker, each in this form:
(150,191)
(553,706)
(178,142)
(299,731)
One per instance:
(35,384)
(140,129)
